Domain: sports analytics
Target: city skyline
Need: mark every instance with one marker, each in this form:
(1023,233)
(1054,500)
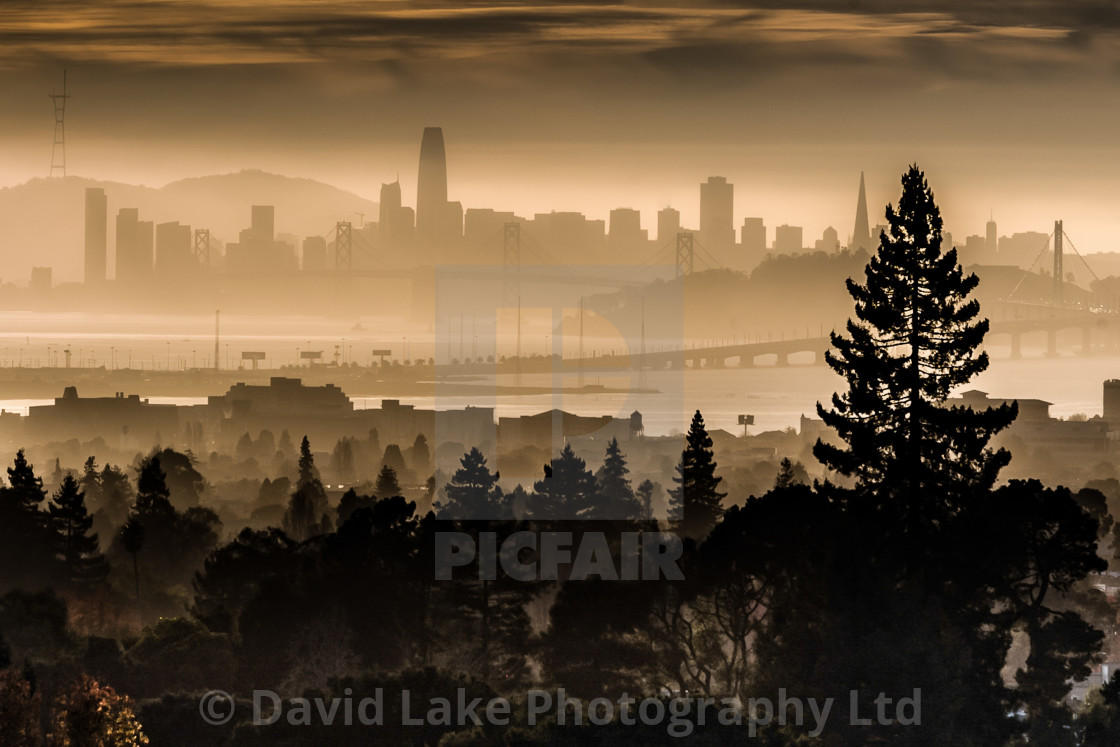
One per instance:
(545,107)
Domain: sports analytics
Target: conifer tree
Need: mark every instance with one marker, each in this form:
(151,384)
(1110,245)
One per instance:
(915,338)
(386,485)
(132,539)
(696,501)
(473,492)
(307,515)
(567,490)
(615,500)
(153,497)
(307,470)
(71,523)
(645,497)
(91,482)
(26,550)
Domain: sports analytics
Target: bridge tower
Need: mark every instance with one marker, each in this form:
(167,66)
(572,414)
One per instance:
(511,262)
(684,253)
(343,247)
(202,247)
(1058,272)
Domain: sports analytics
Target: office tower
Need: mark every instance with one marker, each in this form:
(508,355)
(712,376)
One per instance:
(314,253)
(257,248)
(97,219)
(394,222)
(450,232)
(861,236)
(753,238)
(625,236)
(173,249)
(389,203)
(991,242)
(787,240)
(829,242)
(263,223)
(134,263)
(1021,249)
(569,236)
(717,221)
(145,246)
(431,191)
(668,224)
(1111,412)
(974,251)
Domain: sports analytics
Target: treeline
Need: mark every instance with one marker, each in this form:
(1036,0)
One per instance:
(913,572)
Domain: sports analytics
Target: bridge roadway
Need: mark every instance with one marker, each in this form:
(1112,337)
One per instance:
(1100,333)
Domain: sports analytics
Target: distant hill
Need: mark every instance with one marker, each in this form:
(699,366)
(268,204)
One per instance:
(42,221)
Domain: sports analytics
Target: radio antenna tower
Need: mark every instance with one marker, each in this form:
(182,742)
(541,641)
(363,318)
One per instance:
(58,150)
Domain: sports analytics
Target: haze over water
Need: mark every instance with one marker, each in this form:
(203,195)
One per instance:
(777,397)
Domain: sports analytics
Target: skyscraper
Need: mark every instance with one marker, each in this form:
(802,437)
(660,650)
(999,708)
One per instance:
(134,246)
(431,192)
(753,238)
(717,221)
(668,224)
(991,242)
(788,239)
(861,235)
(173,249)
(394,222)
(97,218)
(263,223)
(626,237)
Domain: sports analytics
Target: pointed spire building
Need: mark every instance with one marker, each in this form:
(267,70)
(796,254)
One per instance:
(861,234)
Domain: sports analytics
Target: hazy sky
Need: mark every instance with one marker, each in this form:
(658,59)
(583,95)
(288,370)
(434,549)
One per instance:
(1009,106)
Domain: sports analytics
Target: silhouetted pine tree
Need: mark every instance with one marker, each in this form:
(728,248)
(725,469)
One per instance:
(26,552)
(153,497)
(71,523)
(132,538)
(386,485)
(307,470)
(567,490)
(473,492)
(91,482)
(616,496)
(307,515)
(916,339)
(645,498)
(696,502)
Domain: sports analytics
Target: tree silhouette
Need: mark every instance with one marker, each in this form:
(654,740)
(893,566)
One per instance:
(307,470)
(615,498)
(645,493)
(342,460)
(132,538)
(25,540)
(307,515)
(71,523)
(915,340)
(386,485)
(91,482)
(419,455)
(696,503)
(153,497)
(567,490)
(473,492)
